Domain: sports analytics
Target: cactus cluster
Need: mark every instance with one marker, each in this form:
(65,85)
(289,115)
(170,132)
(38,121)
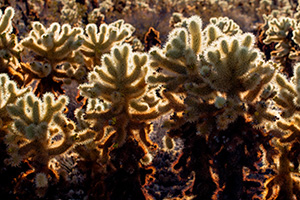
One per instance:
(234,113)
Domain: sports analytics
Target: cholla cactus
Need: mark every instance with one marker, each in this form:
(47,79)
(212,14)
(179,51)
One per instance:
(97,43)
(9,93)
(287,180)
(179,62)
(9,49)
(121,82)
(226,25)
(292,131)
(234,63)
(277,32)
(36,124)
(72,12)
(228,69)
(287,100)
(288,97)
(213,82)
(53,46)
(282,32)
(238,65)
(182,52)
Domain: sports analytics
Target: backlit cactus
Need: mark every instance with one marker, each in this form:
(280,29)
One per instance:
(54,46)
(234,115)
(226,25)
(278,32)
(36,123)
(288,97)
(97,42)
(9,93)
(179,63)
(121,82)
(9,47)
(236,63)
(283,33)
